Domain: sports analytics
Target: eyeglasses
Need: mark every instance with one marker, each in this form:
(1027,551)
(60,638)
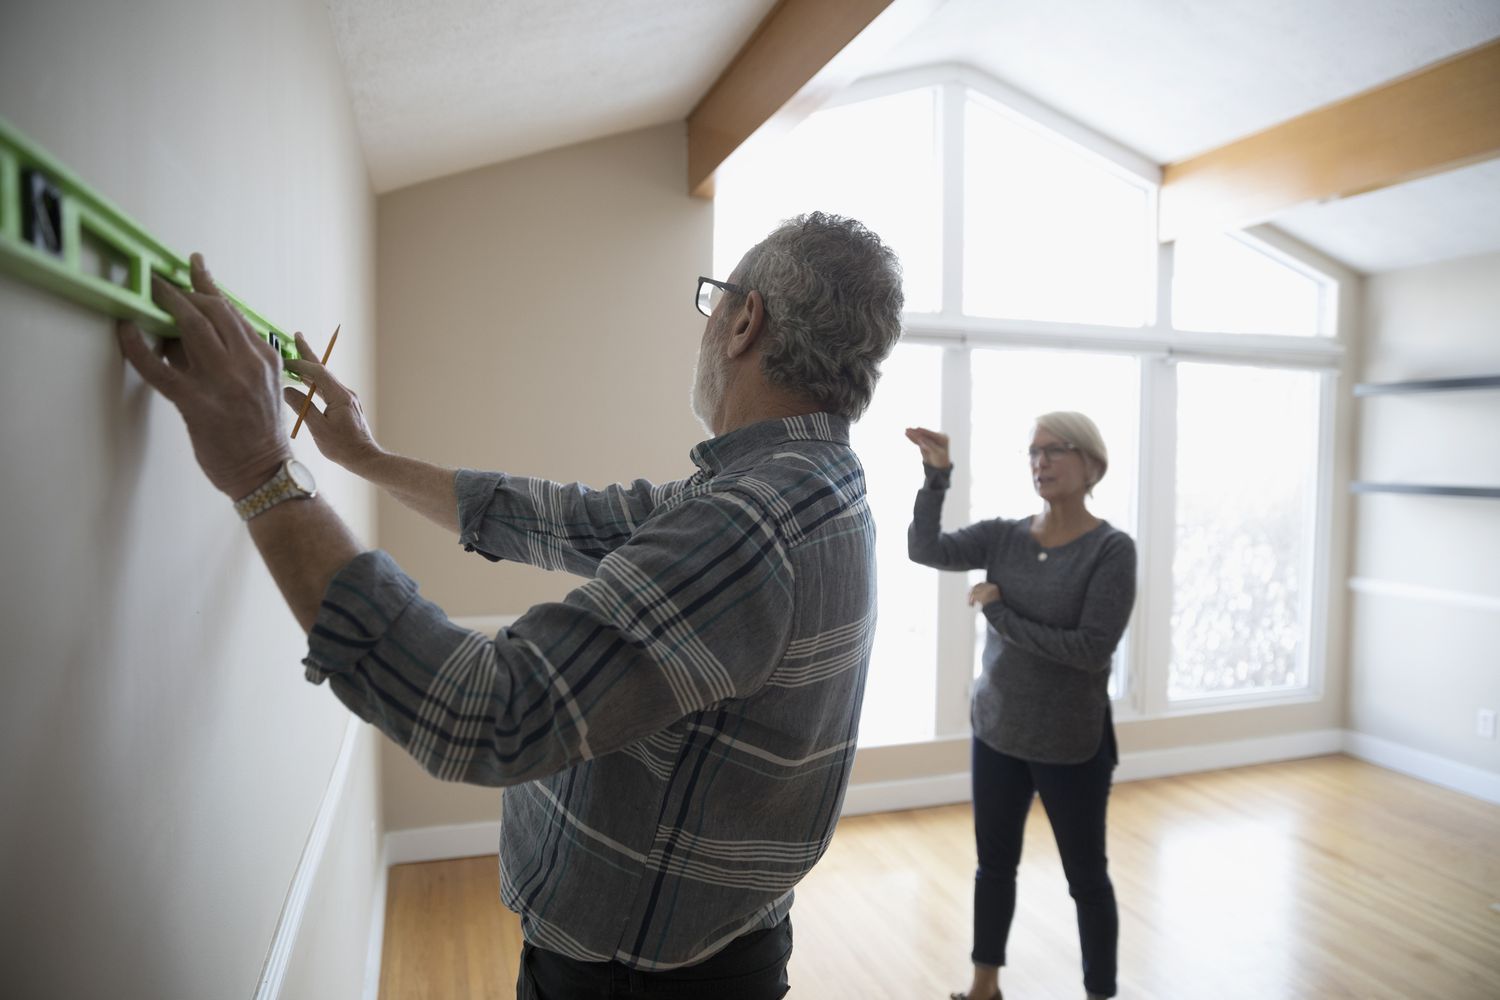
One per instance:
(1052,451)
(711,291)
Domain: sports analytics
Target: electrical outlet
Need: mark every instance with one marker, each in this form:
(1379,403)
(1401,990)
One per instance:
(1484,723)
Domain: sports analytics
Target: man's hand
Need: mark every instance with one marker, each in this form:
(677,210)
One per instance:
(982,594)
(339,430)
(223,381)
(934,445)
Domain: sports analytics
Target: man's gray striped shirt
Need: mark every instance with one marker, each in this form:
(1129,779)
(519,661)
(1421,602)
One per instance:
(676,734)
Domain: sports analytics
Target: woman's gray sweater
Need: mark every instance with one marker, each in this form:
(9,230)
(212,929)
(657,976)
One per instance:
(1043,695)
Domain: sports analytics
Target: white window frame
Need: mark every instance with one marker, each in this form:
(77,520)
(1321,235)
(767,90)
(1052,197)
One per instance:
(1159,347)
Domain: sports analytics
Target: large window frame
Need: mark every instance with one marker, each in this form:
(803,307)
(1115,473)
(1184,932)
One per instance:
(1158,346)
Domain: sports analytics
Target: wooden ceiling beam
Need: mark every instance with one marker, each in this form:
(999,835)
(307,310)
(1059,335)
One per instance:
(1438,118)
(802,52)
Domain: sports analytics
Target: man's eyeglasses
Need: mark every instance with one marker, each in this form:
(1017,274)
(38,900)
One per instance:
(711,291)
(1052,451)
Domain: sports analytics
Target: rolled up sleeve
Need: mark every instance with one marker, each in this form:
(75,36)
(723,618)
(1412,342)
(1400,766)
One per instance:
(556,526)
(694,610)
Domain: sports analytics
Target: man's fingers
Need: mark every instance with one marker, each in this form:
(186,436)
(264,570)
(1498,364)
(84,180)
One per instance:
(234,330)
(304,349)
(315,375)
(314,419)
(212,301)
(156,372)
(309,370)
(295,398)
(203,281)
(306,353)
(198,333)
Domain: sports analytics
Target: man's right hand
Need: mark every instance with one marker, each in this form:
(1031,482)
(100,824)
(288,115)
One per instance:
(339,429)
(934,445)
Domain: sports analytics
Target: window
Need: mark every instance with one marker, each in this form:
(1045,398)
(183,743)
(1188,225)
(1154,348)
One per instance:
(900,689)
(1011,388)
(1224,283)
(1049,232)
(1246,491)
(1216,443)
(876,161)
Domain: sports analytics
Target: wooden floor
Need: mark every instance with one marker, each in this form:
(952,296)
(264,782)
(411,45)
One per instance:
(1318,879)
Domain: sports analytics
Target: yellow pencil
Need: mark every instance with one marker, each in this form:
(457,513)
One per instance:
(327,353)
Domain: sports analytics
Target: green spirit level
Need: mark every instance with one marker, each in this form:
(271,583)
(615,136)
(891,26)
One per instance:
(57,233)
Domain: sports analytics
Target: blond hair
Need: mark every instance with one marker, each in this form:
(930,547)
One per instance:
(1083,434)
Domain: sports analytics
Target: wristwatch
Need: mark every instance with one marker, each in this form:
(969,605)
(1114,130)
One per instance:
(293,481)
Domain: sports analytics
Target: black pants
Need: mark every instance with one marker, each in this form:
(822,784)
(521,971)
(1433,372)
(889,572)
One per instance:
(752,967)
(1075,797)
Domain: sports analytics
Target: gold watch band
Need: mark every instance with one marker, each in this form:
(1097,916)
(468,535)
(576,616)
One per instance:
(273,491)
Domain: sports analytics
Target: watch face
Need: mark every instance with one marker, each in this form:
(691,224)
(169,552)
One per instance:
(301,476)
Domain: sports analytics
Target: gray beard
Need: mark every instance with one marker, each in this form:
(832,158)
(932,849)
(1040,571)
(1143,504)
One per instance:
(710,379)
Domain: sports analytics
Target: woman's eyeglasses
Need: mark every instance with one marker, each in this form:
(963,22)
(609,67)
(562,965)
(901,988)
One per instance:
(1052,451)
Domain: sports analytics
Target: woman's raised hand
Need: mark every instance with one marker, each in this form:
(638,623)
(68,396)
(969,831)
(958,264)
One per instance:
(934,445)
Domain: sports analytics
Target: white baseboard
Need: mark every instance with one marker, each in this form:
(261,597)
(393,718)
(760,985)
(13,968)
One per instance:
(376,948)
(1145,764)
(289,922)
(910,793)
(1429,767)
(946,789)
(438,843)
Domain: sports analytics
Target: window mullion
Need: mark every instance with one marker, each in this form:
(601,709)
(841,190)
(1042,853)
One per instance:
(1157,536)
(952,96)
(1165,260)
(1318,543)
(955,633)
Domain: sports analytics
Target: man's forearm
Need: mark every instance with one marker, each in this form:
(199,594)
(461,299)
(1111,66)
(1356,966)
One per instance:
(304,544)
(425,488)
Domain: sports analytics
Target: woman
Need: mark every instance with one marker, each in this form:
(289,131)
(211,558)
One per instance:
(1058,590)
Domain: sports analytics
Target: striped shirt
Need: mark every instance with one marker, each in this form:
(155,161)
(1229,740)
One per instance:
(676,734)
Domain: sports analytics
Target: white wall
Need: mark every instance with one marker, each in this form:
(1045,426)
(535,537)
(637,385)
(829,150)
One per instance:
(1425,618)
(163,759)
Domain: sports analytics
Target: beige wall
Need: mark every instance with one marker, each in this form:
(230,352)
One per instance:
(163,758)
(1422,666)
(536,317)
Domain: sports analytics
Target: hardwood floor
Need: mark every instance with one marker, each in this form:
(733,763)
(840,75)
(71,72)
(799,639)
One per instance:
(1310,880)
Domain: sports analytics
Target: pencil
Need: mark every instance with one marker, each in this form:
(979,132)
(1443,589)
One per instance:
(311,387)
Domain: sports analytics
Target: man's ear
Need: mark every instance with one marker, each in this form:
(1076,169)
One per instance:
(749,323)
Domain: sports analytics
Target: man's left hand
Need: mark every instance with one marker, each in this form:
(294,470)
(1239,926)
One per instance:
(225,381)
(982,594)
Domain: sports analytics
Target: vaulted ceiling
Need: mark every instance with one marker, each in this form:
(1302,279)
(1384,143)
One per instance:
(441,86)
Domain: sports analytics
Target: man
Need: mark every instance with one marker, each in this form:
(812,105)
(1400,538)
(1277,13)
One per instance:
(676,735)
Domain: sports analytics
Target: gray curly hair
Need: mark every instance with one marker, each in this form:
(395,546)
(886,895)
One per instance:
(833,299)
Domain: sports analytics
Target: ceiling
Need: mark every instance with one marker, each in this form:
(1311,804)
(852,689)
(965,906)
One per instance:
(1173,78)
(441,86)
